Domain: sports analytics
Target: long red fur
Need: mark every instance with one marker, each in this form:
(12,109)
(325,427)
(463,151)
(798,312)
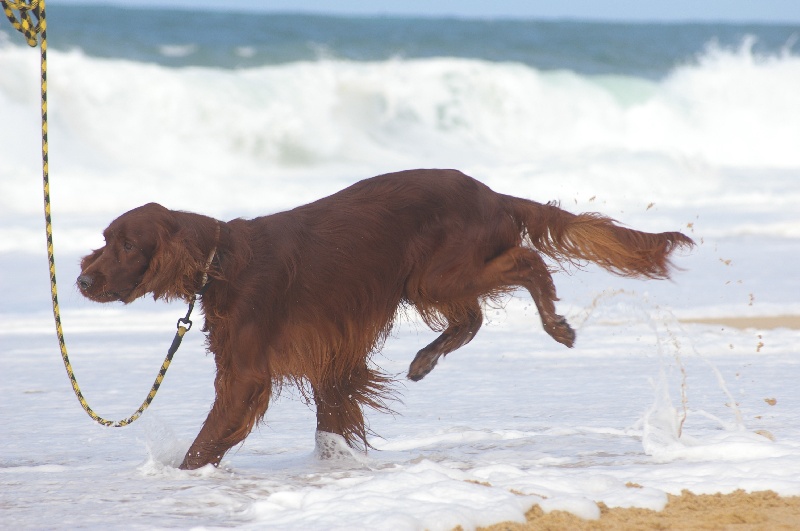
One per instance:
(306,296)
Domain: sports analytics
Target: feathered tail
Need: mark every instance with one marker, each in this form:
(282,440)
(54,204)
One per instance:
(592,237)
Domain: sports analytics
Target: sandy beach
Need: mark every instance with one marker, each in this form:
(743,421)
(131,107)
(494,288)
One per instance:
(762,322)
(688,512)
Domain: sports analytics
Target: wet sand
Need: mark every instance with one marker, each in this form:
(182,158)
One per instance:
(761,323)
(737,511)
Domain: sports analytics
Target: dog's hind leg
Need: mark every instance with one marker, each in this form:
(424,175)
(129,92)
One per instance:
(460,331)
(517,266)
(340,400)
(339,413)
(524,267)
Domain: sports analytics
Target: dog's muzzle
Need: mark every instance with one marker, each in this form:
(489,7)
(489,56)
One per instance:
(85,282)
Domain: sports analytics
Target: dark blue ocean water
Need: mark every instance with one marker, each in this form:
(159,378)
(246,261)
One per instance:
(235,40)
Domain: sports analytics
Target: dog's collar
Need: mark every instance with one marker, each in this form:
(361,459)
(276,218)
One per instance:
(211,257)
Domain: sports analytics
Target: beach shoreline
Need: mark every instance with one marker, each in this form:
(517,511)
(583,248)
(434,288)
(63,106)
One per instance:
(738,510)
(766,322)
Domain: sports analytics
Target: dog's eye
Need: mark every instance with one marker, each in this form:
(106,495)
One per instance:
(128,246)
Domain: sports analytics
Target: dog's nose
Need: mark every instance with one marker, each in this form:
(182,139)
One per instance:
(85,282)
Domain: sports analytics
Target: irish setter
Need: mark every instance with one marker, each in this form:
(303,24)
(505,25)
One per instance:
(306,296)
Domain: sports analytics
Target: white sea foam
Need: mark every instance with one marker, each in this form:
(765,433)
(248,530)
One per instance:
(177,50)
(715,136)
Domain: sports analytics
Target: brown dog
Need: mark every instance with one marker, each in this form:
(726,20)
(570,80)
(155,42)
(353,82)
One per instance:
(309,294)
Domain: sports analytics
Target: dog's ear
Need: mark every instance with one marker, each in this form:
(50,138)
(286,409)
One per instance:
(178,258)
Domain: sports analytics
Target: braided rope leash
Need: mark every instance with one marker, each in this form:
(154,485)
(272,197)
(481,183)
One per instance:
(31,22)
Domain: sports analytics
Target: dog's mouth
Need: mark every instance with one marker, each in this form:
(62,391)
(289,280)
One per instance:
(124,295)
(105,296)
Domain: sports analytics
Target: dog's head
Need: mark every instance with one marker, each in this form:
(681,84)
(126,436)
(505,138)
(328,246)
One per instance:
(149,249)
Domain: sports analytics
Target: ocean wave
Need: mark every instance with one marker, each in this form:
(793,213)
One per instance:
(172,128)
(731,107)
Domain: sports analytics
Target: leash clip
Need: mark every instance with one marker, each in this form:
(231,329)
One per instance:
(185,320)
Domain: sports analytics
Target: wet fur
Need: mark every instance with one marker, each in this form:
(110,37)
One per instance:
(306,296)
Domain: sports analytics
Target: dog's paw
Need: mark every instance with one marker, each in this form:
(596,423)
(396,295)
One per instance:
(561,331)
(333,447)
(423,363)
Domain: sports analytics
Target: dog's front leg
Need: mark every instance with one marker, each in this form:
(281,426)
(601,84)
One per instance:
(238,406)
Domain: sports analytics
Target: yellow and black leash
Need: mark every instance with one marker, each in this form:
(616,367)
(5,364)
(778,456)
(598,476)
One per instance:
(30,21)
